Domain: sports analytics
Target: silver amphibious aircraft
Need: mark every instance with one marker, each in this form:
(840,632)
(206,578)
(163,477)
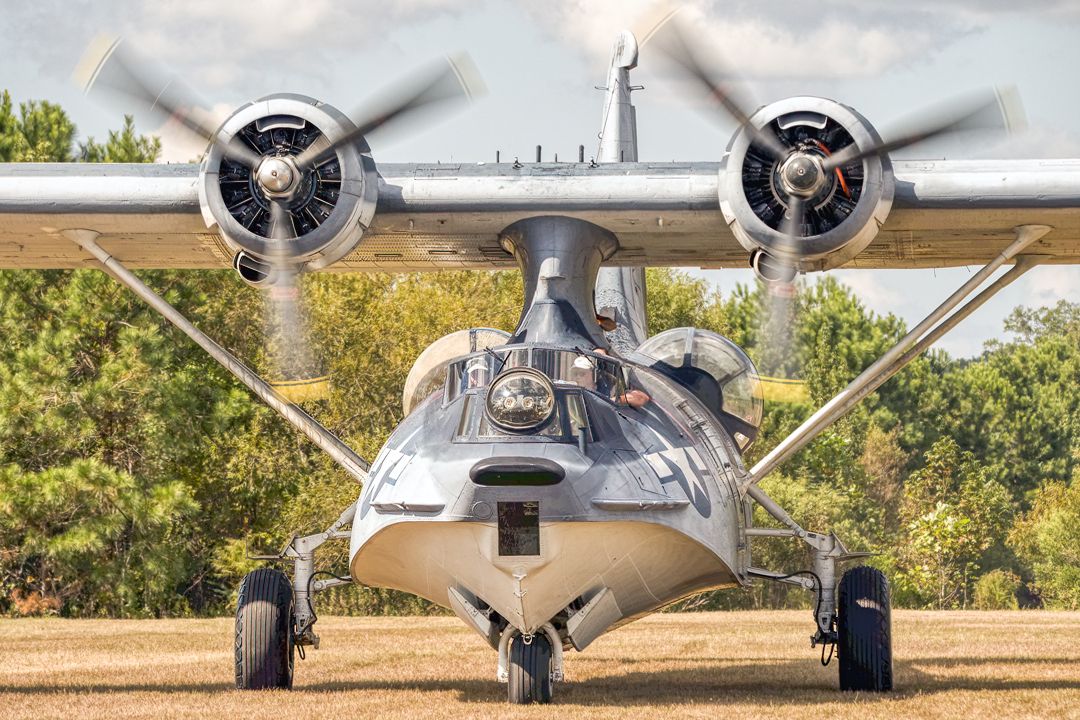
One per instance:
(551,484)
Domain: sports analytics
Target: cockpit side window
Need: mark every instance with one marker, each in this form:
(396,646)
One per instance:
(717,371)
(429,372)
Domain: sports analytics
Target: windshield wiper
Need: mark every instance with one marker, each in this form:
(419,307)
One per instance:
(502,360)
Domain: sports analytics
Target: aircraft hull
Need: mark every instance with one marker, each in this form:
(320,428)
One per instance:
(643,565)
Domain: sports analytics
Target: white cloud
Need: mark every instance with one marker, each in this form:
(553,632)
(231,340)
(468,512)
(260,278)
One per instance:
(791,38)
(775,39)
(1049,284)
(881,293)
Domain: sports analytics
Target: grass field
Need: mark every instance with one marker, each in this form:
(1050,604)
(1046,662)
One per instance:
(722,665)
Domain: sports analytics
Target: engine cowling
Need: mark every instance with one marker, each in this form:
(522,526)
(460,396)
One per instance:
(843,208)
(330,205)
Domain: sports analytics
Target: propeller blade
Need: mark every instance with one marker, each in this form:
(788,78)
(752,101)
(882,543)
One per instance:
(1001,110)
(290,352)
(281,224)
(450,81)
(792,224)
(673,41)
(111,67)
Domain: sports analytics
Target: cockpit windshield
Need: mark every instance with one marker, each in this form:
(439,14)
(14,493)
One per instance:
(590,371)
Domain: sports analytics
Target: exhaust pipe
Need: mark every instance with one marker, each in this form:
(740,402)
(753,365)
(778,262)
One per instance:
(253,271)
(770,269)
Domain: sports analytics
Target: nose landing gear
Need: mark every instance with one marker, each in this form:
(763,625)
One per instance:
(530,670)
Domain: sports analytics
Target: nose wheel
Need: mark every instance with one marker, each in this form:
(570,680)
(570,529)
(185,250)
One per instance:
(530,670)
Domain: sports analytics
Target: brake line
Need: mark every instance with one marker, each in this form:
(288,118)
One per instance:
(825,633)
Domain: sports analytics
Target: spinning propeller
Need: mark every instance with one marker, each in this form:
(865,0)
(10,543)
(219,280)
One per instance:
(288,182)
(809,159)
(806,181)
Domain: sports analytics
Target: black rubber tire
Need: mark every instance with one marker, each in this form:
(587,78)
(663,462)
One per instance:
(530,671)
(864,630)
(264,631)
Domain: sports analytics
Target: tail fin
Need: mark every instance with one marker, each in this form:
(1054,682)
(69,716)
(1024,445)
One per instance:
(620,291)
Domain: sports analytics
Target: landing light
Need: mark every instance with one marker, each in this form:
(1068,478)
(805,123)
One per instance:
(520,399)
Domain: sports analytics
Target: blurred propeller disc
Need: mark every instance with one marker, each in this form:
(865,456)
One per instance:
(298,375)
(673,40)
(998,109)
(441,85)
(277,173)
(110,67)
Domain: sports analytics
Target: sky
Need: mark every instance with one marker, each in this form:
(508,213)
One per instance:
(541,62)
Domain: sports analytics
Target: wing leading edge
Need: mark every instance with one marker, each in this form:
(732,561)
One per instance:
(429,217)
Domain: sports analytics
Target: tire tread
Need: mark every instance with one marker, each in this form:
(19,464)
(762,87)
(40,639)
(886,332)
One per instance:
(530,671)
(263,652)
(864,629)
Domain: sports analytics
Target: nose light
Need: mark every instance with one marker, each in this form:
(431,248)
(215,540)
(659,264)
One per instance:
(520,399)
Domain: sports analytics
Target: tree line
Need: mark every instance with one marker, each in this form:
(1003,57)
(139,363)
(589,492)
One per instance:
(136,476)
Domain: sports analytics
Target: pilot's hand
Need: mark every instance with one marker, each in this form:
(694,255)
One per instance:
(636,398)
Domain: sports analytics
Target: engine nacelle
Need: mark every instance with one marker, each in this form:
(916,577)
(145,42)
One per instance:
(329,210)
(845,209)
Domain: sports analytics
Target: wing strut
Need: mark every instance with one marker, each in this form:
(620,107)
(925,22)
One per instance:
(910,347)
(329,443)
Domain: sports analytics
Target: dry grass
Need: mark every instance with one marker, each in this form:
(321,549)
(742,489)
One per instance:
(725,665)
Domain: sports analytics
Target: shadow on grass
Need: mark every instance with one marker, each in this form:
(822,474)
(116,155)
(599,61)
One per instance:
(780,683)
(766,682)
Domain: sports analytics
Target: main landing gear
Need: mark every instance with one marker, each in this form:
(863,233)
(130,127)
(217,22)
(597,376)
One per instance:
(864,631)
(265,643)
(858,624)
(854,618)
(275,618)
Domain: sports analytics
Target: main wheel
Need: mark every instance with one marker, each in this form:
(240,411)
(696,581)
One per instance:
(264,632)
(530,671)
(864,630)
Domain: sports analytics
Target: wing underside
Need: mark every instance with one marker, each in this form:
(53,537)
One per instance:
(428,217)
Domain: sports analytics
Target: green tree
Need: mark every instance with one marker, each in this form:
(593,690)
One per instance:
(1047,539)
(952,512)
(89,540)
(43,134)
(123,146)
(997,590)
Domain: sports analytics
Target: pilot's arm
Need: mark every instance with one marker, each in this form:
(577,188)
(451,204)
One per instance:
(634,398)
